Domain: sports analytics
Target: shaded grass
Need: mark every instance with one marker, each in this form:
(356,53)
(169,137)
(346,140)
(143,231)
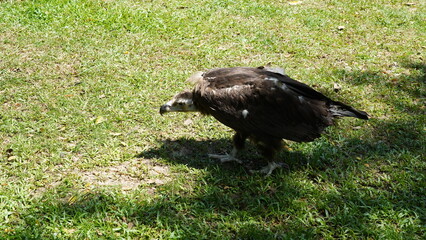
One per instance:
(81,81)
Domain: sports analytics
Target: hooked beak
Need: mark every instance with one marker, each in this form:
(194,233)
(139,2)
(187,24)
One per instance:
(165,108)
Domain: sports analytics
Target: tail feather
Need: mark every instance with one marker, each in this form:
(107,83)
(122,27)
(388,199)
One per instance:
(339,109)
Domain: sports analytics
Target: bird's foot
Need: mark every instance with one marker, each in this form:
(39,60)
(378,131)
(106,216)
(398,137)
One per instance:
(225,158)
(268,169)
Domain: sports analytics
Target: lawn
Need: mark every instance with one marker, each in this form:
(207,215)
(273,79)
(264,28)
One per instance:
(84,153)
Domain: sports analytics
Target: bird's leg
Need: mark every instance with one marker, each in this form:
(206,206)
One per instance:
(239,142)
(269,148)
(268,169)
(227,157)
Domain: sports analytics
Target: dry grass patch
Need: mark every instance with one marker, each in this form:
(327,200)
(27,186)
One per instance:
(129,175)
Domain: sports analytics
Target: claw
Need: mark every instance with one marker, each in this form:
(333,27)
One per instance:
(225,158)
(268,169)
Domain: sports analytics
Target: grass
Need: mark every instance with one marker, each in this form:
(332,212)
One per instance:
(84,153)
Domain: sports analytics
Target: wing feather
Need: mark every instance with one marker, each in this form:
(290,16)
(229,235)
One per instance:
(245,100)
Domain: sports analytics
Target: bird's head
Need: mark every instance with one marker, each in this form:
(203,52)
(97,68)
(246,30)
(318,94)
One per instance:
(182,102)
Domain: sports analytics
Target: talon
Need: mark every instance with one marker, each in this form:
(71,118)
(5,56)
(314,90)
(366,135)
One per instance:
(225,158)
(268,169)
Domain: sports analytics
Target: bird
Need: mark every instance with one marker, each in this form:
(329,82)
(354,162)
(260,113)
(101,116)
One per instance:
(262,104)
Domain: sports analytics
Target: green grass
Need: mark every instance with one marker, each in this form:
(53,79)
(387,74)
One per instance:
(84,153)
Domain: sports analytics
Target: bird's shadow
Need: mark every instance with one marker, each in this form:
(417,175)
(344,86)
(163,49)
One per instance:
(321,155)
(194,153)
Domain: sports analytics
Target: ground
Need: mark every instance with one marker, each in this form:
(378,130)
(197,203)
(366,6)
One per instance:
(84,153)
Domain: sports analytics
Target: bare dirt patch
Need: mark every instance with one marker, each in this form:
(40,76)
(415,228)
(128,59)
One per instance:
(129,175)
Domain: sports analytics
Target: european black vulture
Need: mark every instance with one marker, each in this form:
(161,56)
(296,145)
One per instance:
(261,104)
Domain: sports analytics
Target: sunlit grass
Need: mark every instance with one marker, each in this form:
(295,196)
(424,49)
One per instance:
(85,154)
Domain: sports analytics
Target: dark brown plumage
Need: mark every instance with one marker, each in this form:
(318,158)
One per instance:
(262,104)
